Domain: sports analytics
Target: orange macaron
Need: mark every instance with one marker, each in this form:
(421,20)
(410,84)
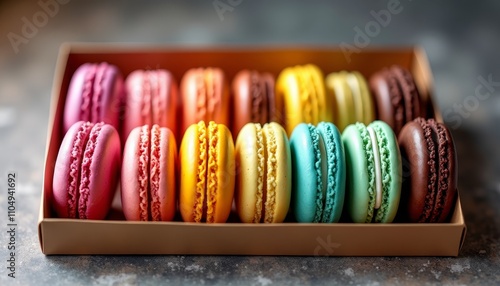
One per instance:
(205,96)
(207,173)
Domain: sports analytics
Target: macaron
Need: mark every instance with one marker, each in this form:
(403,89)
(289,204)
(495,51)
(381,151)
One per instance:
(396,97)
(430,189)
(148,185)
(207,173)
(151,98)
(87,171)
(373,172)
(95,94)
(205,96)
(351,98)
(263,173)
(253,99)
(318,172)
(301,97)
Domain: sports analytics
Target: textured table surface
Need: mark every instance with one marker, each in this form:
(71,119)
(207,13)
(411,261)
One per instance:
(463,44)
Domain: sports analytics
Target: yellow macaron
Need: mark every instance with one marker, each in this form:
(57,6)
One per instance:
(207,173)
(301,97)
(350,97)
(263,181)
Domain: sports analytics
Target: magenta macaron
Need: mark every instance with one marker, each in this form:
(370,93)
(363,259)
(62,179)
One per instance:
(95,94)
(86,171)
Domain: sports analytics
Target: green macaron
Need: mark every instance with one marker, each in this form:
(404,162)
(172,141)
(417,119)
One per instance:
(374,172)
(318,173)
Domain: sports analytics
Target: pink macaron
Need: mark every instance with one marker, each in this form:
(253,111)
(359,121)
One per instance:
(87,171)
(95,94)
(151,98)
(148,181)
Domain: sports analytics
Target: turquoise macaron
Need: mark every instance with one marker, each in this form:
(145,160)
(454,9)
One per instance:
(374,172)
(318,173)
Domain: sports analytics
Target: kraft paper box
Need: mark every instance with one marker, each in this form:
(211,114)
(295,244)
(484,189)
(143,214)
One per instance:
(117,236)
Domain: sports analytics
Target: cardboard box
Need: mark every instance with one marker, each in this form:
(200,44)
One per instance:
(117,236)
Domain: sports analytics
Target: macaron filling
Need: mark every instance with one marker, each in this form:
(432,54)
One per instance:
(261,176)
(213,166)
(154,174)
(143,172)
(378,171)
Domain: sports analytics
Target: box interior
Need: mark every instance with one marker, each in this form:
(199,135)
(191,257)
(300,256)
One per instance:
(66,236)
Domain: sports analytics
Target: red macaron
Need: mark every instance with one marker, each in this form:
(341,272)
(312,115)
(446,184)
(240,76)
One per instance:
(148,181)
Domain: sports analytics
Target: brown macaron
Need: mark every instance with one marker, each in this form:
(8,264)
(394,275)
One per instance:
(253,99)
(396,97)
(430,162)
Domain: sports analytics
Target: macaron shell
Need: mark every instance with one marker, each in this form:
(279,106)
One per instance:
(222,148)
(130,179)
(336,172)
(193,158)
(448,172)
(250,168)
(417,150)
(390,160)
(360,192)
(103,172)
(283,166)
(163,202)
(305,174)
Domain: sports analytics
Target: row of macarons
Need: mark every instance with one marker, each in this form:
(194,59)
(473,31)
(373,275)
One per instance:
(318,174)
(98,92)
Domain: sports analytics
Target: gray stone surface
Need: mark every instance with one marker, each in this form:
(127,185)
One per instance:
(462,41)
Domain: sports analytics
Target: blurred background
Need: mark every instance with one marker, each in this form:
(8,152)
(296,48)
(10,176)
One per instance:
(461,38)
